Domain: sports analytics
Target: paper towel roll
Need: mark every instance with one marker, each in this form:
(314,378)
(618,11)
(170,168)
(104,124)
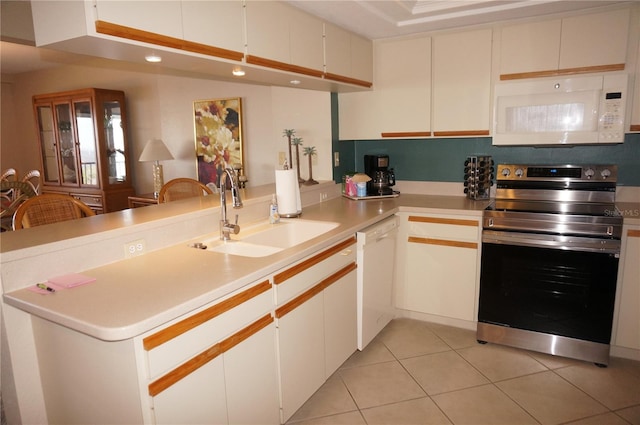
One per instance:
(288,193)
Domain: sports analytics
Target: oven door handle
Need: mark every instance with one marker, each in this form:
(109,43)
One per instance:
(568,243)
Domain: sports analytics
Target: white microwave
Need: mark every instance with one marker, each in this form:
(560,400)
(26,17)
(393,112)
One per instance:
(560,111)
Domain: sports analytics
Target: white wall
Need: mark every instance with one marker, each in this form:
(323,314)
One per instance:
(162,106)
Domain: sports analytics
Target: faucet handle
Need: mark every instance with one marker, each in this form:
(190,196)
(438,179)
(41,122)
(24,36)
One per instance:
(234,228)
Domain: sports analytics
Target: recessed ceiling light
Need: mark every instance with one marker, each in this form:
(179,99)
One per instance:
(153,58)
(295,82)
(238,72)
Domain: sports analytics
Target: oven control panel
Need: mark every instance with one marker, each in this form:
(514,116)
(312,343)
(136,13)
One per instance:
(590,172)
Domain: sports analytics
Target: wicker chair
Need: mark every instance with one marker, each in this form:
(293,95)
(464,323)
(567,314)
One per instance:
(182,188)
(49,208)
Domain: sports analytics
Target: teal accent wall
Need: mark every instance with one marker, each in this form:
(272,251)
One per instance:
(443,159)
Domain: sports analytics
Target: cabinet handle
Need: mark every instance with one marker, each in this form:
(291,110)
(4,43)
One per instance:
(437,220)
(195,363)
(443,242)
(310,293)
(177,329)
(633,233)
(299,268)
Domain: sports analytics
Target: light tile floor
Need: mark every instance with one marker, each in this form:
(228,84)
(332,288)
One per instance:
(423,373)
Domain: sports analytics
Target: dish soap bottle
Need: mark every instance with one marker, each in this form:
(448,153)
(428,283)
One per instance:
(274,217)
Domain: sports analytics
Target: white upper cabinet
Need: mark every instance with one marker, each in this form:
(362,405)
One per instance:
(400,104)
(226,18)
(279,32)
(635,113)
(347,54)
(593,40)
(530,47)
(581,41)
(161,17)
(462,83)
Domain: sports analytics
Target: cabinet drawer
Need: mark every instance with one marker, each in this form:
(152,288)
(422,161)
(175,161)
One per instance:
(91,200)
(300,277)
(187,337)
(465,229)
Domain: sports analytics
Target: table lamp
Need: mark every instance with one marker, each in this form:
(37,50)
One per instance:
(155,150)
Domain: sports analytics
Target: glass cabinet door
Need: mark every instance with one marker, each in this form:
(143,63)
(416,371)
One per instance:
(86,143)
(115,145)
(66,143)
(46,128)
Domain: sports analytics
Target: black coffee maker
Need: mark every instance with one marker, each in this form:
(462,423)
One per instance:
(382,177)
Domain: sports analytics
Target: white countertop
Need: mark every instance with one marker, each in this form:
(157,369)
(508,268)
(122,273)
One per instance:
(133,296)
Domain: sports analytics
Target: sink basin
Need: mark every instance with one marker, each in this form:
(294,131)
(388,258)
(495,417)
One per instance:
(244,249)
(265,239)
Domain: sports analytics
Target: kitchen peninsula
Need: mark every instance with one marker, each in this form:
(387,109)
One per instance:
(95,335)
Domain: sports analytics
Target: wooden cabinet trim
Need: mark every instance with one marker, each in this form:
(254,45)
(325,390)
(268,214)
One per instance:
(634,127)
(632,233)
(164,382)
(348,80)
(566,71)
(310,293)
(129,33)
(197,319)
(299,268)
(435,220)
(406,134)
(442,242)
(461,133)
(257,60)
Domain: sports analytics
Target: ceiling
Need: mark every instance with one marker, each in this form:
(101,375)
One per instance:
(372,19)
(376,19)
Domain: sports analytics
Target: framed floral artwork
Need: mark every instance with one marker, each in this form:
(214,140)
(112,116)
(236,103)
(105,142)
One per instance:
(218,136)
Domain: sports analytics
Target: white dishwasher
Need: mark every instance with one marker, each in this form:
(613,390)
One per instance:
(376,258)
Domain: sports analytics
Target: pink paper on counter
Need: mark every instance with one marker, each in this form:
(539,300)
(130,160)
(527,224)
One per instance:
(71,280)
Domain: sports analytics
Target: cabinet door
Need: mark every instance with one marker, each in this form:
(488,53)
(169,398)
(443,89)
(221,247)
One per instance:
(252,380)
(301,354)
(596,39)
(635,113)
(48,144)
(441,280)
(268,30)
(340,321)
(115,146)
(337,50)
(198,398)
(400,103)
(530,47)
(461,98)
(628,329)
(361,58)
(227,17)
(306,40)
(158,16)
(87,152)
(66,144)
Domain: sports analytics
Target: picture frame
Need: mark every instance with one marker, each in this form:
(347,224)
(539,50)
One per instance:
(218,138)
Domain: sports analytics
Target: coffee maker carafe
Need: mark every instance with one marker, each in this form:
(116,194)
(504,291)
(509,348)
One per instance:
(382,177)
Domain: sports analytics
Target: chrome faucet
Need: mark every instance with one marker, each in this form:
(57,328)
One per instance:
(225,226)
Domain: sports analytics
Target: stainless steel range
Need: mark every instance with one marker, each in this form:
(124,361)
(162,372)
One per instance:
(550,252)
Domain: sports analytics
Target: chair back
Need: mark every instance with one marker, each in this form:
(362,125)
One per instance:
(182,188)
(10,174)
(12,194)
(49,208)
(32,178)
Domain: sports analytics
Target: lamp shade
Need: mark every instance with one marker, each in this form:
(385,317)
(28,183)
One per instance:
(155,150)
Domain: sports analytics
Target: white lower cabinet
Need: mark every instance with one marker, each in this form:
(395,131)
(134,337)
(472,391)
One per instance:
(627,333)
(317,321)
(439,273)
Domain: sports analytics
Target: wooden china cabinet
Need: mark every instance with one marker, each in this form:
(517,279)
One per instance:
(84,148)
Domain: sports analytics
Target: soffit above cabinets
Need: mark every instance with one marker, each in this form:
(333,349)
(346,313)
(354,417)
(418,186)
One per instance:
(376,19)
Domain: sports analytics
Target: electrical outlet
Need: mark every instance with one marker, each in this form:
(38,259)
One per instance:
(323,196)
(135,248)
(336,159)
(281,158)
